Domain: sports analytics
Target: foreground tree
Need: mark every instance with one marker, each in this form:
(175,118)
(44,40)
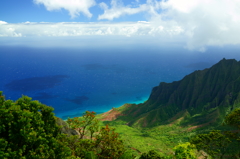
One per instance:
(28,130)
(94,141)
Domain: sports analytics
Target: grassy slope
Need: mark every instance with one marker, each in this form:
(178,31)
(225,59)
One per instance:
(164,137)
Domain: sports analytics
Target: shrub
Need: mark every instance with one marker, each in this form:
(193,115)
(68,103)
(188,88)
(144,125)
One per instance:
(152,154)
(185,150)
(28,130)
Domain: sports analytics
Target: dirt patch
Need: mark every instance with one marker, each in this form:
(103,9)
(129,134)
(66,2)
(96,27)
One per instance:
(111,115)
(139,152)
(145,122)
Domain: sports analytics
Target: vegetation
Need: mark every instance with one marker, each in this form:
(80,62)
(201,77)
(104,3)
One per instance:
(150,155)
(215,143)
(233,119)
(101,142)
(185,150)
(28,130)
(221,144)
(182,119)
(197,93)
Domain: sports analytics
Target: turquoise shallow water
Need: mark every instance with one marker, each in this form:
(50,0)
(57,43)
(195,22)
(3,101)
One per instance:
(75,80)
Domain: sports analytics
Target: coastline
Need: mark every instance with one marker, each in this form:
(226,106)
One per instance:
(76,113)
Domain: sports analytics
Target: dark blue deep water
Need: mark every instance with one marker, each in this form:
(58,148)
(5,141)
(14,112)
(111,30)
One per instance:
(96,79)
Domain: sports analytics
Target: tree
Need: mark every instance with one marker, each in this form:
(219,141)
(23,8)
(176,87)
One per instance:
(185,150)
(109,144)
(28,130)
(100,142)
(85,125)
(233,118)
(214,143)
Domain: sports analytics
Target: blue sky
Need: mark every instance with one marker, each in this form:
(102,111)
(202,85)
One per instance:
(192,24)
(14,11)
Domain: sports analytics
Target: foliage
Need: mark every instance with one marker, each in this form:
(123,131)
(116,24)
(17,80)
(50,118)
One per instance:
(150,155)
(28,130)
(102,142)
(218,143)
(215,143)
(128,155)
(233,118)
(185,150)
(86,124)
(109,143)
(163,138)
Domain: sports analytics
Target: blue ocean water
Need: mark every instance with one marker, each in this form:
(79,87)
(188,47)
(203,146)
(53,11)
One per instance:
(73,80)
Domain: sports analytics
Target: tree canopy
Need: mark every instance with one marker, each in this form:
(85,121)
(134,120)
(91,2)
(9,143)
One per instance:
(28,130)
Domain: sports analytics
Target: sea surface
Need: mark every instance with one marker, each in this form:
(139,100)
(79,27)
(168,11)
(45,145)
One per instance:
(73,80)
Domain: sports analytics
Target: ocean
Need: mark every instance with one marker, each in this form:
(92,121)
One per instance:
(73,80)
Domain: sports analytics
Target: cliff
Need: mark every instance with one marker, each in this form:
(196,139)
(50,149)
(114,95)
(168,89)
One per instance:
(212,91)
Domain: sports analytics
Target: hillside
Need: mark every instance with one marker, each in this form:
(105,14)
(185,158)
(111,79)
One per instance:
(204,95)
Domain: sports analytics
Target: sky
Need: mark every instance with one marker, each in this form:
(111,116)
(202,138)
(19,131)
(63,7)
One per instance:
(190,24)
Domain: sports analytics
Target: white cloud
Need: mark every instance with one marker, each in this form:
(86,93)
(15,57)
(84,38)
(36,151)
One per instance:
(205,22)
(202,22)
(88,34)
(118,9)
(197,23)
(128,29)
(7,30)
(2,22)
(74,7)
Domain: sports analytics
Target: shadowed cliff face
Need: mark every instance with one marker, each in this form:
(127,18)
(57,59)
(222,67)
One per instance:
(218,86)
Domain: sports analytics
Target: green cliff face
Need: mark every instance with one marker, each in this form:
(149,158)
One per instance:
(211,91)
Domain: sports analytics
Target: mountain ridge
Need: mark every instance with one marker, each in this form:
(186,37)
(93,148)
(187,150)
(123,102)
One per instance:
(203,91)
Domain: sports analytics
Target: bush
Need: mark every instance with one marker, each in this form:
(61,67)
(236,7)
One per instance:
(151,155)
(28,130)
(185,150)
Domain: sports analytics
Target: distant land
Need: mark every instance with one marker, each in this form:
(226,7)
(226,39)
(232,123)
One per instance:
(213,92)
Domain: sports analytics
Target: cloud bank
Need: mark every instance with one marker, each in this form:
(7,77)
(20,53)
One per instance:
(197,23)
(81,29)
(97,34)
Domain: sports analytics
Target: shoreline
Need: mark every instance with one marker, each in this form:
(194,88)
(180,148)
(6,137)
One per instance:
(75,113)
